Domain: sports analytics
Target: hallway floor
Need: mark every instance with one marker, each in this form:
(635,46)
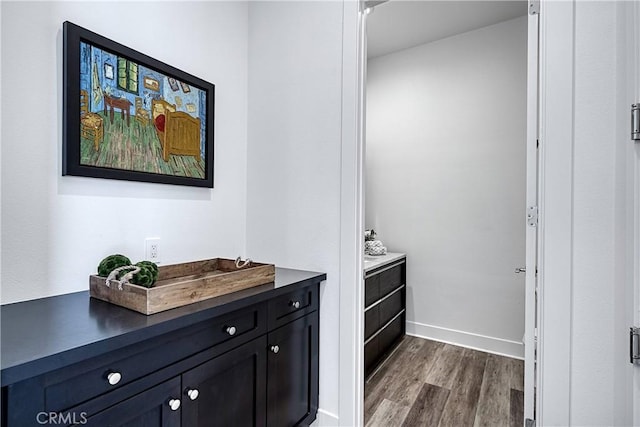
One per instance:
(428,383)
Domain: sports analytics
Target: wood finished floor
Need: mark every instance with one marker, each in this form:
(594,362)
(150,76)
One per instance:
(428,383)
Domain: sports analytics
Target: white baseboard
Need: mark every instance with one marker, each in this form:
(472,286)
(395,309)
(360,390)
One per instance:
(326,419)
(485,343)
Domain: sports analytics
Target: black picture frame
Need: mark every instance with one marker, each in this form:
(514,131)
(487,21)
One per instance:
(107,120)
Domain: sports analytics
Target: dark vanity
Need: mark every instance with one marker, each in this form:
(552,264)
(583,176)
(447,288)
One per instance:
(249,358)
(385,307)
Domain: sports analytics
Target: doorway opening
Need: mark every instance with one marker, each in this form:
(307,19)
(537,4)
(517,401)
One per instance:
(449,178)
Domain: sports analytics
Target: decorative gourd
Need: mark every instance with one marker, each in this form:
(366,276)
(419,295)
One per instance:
(110,263)
(145,277)
(151,266)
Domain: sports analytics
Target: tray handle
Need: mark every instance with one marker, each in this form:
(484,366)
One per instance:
(111,278)
(242,264)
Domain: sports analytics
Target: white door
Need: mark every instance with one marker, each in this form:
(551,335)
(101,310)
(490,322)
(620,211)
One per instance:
(531,306)
(633,179)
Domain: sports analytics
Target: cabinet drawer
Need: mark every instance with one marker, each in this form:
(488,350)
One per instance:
(70,386)
(382,343)
(391,306)
(390,335)
(390,279)
(371,290)
(371,354)
(371,321)
(235,325)
(292,305)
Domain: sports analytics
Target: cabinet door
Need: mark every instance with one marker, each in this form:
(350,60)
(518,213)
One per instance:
(292,373)
(228,390)
(151,408)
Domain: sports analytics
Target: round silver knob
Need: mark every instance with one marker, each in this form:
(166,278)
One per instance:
(275,348)
(231,330)
(193,393)
(114,378)
(174,404)
(295,304)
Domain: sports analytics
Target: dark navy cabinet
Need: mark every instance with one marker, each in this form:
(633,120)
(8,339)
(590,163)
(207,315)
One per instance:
(385,312)
(293,357)
(149,408)
(225,390)
(245,359)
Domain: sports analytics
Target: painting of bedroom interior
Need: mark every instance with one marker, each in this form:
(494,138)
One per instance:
(137,119)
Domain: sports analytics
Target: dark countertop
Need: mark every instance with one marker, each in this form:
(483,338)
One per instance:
(49,333)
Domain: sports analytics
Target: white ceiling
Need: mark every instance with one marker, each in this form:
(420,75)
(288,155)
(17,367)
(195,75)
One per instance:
(401,24)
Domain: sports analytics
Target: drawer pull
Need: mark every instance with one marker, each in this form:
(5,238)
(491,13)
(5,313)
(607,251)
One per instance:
(174,404)
(193,393)
(114,378)
(231,330)
(275,349)
(294,304)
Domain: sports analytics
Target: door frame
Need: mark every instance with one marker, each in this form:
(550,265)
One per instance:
(351,352)
(555,195)
(532,231)
(555,243)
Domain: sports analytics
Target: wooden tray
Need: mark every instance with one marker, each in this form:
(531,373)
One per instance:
(182,284)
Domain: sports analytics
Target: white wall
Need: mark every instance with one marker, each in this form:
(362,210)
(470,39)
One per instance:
(293,184)
(445,181)
(56,229)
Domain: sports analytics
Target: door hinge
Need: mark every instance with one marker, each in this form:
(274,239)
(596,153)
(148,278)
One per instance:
(529,422)
(532,216)
(534,7)
(634,344)
(635,122)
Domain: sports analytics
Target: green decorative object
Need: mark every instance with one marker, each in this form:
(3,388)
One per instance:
(112,262)
(152,266)
(145,277)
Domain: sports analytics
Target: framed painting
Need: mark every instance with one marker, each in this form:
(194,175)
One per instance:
(131,117)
